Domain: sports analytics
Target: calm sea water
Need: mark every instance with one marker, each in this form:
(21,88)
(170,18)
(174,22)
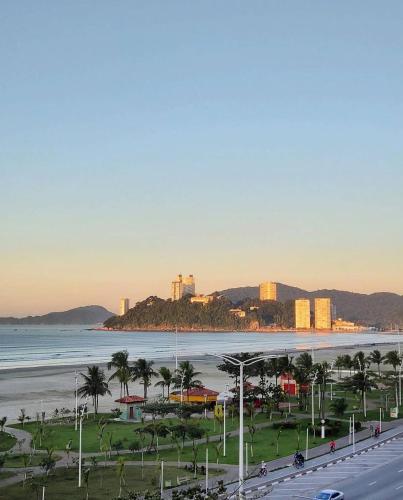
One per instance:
(31,346)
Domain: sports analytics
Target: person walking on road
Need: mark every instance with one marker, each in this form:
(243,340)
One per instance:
(332,446)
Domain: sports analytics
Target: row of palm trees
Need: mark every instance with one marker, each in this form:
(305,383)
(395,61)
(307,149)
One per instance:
(359,361)
(142,371)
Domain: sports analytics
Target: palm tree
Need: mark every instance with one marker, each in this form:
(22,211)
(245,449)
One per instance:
(347,362)
(377,358)
(94,386)
(360,382)
(185,377)
(339,406)
(120,470)
(304,362)
(143,371)
(276,366)
(120,361)
(323,378)
(360,361)
(167,379)
(393,358)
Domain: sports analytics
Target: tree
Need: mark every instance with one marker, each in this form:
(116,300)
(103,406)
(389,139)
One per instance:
(277,366)
(86,477)
(186,377)
(120,470)
(339,364)
(95,385)
(3,421)
(304,362)
(143,371)
(22,417)
(360,361)
(347,362)
(323,377)
(360,382)
(339,406)
(392,358)
(167,377)
(376,358)
(195,432)
(120,361)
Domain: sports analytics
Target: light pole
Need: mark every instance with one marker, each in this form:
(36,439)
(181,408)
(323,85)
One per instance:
(206,470)
(76,394)
(82,411)
(176,348)
(313,397)
(162,479)
(400,383)
(242,365)
(226,395)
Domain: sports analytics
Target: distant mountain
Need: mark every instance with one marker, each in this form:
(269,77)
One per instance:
(381,309)
(86,315)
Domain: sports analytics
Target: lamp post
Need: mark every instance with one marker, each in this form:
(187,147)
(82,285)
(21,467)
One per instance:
(313,397)
(363,369)
(83,409)
(400,383)
(242,365)
(76,395)
(176,348)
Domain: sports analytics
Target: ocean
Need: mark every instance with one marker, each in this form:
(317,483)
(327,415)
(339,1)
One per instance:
(40,346)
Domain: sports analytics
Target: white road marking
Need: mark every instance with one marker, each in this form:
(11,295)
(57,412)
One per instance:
(371,484)
(401,486)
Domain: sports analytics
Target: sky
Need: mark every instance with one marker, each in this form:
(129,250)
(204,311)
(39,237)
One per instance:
(237,141)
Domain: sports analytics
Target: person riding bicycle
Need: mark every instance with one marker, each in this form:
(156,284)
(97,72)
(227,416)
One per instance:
(332,445)
(263,468)
(299,458)
(377,431)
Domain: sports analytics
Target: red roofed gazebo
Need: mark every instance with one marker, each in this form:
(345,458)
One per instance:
(197,395)
(130,407)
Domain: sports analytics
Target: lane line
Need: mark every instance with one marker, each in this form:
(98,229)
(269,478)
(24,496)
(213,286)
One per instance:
(371,484)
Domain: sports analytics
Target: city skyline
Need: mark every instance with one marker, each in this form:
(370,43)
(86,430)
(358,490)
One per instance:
(238,142)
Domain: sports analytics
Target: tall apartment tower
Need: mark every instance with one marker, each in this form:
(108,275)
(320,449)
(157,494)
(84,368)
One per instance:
(302,314)
(124,306)
(268,290)
(183,285)
(323,314)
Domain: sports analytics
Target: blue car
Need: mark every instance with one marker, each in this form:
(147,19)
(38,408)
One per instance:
(329,495)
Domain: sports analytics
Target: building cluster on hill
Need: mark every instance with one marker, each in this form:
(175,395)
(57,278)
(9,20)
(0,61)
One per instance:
(322,316)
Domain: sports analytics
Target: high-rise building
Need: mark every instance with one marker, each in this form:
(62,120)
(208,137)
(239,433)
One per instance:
(124,306)
(302,314)
(183,285)
(323,314)
(268,290)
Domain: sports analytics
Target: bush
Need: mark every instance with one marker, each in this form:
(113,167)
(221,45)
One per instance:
(285,424)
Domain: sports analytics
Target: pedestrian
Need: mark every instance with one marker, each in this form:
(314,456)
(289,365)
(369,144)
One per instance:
(332,445)
(371,430)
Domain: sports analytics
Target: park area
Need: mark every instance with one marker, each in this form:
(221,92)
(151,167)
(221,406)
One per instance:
(121,457)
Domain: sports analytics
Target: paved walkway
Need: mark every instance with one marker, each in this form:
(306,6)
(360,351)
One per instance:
(23,438)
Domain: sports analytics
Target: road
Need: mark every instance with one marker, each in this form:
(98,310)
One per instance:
(375,475)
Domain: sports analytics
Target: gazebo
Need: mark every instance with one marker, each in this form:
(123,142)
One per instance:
(130,407)
(196,395)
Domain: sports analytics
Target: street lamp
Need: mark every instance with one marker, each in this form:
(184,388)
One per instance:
(313,397)
(76,395)
(364,371)
(83,409)
(400,383)
(242,365)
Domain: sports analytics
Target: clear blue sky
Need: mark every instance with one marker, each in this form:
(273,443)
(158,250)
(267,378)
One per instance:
(238,141)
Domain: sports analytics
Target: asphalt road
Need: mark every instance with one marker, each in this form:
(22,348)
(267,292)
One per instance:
(375,475)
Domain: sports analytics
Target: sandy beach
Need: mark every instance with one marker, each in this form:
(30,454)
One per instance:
(52,387)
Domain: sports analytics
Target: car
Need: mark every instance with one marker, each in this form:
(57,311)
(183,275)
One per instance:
(329,495)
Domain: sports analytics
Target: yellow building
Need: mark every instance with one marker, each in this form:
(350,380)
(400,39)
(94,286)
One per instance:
(202,299)
(124,306)
(341,325)
(268,290)
(238,312)
(302,314)
(183,285)
(323,314)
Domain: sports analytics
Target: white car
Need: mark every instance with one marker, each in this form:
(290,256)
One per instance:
(329,495)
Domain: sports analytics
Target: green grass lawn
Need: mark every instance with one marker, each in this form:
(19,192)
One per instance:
(7,441)
(103,483)
(58,435)
(264,447)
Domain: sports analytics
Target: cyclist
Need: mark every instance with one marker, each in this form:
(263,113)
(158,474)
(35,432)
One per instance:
(332,445)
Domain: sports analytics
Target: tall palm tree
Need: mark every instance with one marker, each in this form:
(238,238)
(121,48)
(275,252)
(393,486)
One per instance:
(360,361)
(304,362)
(167,379)
(393,358)
(339,364)
(120,361)
(95,385)
(323,377)
(377,358)
(348,362)
(186,377)
(143,371)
